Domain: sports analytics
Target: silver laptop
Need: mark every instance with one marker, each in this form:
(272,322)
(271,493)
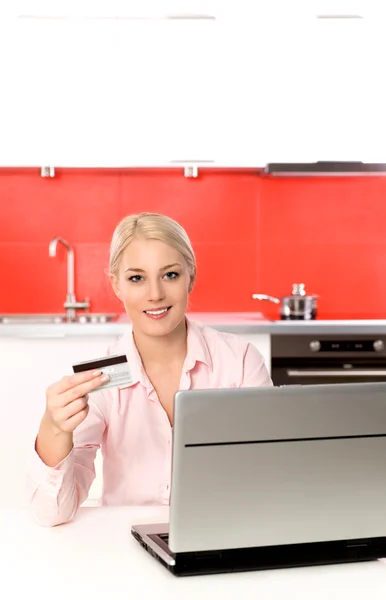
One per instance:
(274,477)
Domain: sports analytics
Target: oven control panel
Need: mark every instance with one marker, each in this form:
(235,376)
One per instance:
(347,345)
(327,346)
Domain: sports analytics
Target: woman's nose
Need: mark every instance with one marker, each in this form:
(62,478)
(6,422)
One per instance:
(156,291)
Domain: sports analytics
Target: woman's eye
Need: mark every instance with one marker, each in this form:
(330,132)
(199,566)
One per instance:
(171,275)
(135,278)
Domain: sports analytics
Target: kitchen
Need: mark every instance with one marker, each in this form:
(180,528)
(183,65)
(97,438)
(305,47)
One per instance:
(99,125)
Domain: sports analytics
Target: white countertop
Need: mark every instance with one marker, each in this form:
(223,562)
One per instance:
(239,323)
(95,557)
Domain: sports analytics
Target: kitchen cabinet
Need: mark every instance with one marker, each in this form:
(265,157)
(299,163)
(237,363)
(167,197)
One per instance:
(136,93)
(242,92)
(23,80)
(252,85)
(373,93)
(340,59)
(114,93)
(328,101)
(121,93)
(319,103)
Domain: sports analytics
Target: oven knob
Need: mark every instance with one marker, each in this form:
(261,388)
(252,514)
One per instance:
(378,345)
(315,346)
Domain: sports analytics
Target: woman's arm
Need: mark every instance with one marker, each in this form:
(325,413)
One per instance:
(57,490)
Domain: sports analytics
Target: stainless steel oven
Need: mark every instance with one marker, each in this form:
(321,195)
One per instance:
(306,359)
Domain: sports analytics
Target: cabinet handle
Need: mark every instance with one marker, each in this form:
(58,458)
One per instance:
(337,373)
(189,161)
(192,17)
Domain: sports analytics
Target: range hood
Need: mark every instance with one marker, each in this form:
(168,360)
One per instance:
(325,168)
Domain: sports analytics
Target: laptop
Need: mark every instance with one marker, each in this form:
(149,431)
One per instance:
(274,477)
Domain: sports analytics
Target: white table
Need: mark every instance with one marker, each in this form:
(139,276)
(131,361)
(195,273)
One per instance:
(95,557)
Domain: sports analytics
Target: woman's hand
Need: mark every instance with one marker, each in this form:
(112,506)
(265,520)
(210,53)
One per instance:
(67,401)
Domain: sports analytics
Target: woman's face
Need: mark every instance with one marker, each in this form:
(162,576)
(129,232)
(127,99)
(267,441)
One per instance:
(153,284)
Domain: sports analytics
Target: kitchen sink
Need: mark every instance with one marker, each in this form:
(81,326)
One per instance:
(55,318)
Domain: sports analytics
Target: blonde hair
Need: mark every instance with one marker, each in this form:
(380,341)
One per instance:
(151,226)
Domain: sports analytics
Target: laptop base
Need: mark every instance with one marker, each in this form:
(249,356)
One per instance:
(268,557)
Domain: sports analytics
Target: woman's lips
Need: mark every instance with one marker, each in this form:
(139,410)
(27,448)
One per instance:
(157,314)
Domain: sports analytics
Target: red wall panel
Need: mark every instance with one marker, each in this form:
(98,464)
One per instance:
(218,209)
(329,233)
(250,234)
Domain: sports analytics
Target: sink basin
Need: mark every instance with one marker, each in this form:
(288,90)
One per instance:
(40,319)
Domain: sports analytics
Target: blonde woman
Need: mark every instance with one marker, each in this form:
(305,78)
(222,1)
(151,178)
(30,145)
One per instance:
(152,271)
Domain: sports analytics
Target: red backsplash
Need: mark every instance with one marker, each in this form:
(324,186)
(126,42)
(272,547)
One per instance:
(250,234)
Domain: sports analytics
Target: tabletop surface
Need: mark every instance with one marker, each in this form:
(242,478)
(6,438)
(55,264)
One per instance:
(94,557)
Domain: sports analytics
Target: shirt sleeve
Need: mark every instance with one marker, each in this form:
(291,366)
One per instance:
(255,373)
(55,493)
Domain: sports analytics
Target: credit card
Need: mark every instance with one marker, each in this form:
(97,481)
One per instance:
(115,366)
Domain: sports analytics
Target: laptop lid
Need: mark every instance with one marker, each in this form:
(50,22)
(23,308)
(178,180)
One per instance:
(272,466)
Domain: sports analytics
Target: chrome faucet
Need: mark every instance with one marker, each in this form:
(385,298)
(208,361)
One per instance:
(71,304)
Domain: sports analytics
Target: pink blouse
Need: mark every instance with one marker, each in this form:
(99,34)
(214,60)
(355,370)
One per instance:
(131,427)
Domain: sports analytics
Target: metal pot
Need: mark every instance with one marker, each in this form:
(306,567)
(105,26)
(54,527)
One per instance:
(298,306)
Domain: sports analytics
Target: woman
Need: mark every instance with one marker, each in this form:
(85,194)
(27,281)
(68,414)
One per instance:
(152,271)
